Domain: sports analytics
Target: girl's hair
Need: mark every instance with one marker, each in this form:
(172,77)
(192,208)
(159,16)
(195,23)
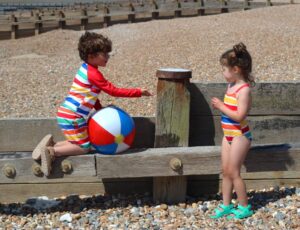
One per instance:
(240,57)
(93,43)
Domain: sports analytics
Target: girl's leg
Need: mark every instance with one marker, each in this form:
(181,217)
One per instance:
(227,183)
(238,151)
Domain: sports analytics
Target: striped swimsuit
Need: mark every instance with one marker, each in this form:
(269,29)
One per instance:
(83,97)
(230,127)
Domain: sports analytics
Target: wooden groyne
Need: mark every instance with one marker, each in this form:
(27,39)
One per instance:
(273,160)
(92,16)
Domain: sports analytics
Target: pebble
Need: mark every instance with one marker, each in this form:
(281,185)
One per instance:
(275,209)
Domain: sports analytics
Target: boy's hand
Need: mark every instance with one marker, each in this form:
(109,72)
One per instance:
(216,103)
(146,92)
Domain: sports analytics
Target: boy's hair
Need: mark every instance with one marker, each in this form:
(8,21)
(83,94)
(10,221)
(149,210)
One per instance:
(93,43)
(240,57)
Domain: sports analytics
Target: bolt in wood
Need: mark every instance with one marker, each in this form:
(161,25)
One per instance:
(175,164)
(66,166)
(9,171)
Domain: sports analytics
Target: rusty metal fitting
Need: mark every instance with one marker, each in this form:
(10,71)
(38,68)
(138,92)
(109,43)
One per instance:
(36,169)
(175,164)
(66,166)
(9,170)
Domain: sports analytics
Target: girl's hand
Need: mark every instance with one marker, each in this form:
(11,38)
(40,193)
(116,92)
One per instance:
(146,92)
(216,103)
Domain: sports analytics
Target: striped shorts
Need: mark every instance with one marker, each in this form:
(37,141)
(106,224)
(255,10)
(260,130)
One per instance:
(74,127)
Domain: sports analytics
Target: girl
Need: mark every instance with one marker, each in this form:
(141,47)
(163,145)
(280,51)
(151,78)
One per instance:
(237,66)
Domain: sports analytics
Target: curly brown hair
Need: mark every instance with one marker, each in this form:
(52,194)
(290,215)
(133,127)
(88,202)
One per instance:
(240,57)
(93,43)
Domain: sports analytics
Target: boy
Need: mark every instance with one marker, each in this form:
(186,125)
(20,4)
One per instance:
(73,113)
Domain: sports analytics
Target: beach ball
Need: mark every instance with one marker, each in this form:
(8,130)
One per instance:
(111,130)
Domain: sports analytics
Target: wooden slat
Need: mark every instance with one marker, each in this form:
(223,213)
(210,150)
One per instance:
(268,98)
(10,193)
(196,161)
(20,192)
(198,188)
(29,132)
(206,130)
(83,169)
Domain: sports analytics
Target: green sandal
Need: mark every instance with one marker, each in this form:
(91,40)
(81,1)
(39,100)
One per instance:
(222,210)
(241,212)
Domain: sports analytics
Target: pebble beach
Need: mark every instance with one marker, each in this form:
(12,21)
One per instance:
(36,74)
(274,208)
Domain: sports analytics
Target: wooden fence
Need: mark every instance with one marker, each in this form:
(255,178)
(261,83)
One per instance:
(99,15)
(273,160)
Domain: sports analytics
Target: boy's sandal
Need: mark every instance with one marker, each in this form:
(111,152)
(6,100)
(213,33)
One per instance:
(46,141)
(241,212)
(222,210)
(47,157)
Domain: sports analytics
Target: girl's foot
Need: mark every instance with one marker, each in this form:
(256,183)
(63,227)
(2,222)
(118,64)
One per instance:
(47,157)
(40,148)
(222,210)
(241,212)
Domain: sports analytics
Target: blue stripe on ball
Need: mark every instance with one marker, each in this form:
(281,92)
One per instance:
(127,123)
(107,149)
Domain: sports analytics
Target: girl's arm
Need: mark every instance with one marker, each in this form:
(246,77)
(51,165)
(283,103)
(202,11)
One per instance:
(244,104)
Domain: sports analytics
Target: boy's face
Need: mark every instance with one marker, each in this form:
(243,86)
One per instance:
(99,59)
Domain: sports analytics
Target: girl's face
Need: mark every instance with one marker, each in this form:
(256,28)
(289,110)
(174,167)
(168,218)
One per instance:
(230,73)
(99,59)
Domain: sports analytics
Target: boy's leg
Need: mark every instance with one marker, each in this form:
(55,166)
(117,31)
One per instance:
(227,184)
(238,152)
(66,148)
(63,148)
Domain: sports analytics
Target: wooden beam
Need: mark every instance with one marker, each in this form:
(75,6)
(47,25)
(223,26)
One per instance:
(195,161)
(26,169)
(273,98)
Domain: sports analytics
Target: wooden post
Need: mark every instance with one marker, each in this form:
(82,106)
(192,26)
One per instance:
(269,3)
(172,128)
(131,14)
(62,20)
(201,10)
(177,12)
(14,26)
(155,13)
(246,4)
(106,18)
(38,24)
(224,6)
(84,19)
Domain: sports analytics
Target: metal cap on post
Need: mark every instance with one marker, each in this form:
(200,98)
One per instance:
(172,129)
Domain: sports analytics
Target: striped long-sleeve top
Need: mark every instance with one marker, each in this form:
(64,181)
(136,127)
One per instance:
(87,84)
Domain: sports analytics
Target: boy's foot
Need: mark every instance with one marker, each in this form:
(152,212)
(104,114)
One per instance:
(222,210)
(47,157)
(241,212)
(46,141)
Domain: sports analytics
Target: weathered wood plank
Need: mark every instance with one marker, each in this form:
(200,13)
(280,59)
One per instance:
(272,98)
(29,132)
(206,130)
(196,161)
(83,168)
(196,188)
(20,192)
